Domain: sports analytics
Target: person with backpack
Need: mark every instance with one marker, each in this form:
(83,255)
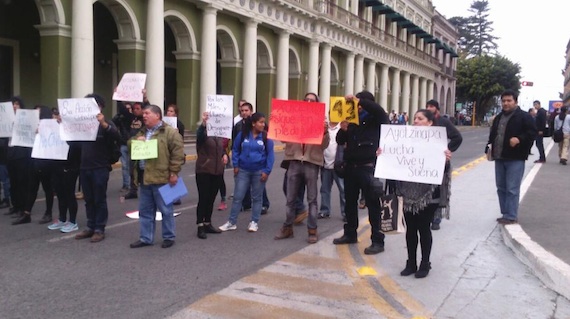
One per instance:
(563,122)
(252,159)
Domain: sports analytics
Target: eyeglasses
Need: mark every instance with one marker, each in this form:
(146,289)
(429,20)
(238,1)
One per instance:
(309,100)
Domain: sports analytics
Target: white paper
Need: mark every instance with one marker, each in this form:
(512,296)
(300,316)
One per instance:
(220,122)
(130,87)
(48,144)
(412,153)
(78,119)
(7,118)
(171,120)
(25,126)
(135,215)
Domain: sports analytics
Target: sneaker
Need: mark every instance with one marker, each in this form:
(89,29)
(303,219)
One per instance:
(69,227)
(227,226)
(223,206)
(57,225)
(264,210)
(252,227)
(435,226)
(323,216)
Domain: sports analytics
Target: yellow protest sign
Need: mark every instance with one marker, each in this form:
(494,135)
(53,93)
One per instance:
(343,110)
(141,150)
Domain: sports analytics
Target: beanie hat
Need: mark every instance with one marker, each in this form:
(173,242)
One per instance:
(433,103)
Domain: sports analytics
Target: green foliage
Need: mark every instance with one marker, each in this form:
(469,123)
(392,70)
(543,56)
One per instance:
(475,31)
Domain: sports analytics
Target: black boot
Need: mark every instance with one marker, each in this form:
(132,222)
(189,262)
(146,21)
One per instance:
(211,229)
(374,249)
(423,271)
(202,232)
(24,219)
(345,238)
(411,267)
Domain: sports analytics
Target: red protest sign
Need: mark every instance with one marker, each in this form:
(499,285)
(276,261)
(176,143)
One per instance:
(296,121)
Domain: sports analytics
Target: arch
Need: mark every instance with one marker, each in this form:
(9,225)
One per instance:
(449,107)
(125,18)
(51,12)
(228,44)
(264,55)
(183,32)
(441,95)
(334,72)
(294,63)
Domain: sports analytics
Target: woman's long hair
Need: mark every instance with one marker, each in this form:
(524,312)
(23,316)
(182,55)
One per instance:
(248,124)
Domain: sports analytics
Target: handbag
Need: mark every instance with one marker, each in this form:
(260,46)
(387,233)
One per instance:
(558,135)
(339,163)
(392,214)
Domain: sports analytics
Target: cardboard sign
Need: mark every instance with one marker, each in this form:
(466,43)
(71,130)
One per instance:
(220,122)
(412,153)
(171,120)
(78,119)
(48,144)
(7,117)
(343,110)
(297,121)
(25,126)
(130,87)
(141,150)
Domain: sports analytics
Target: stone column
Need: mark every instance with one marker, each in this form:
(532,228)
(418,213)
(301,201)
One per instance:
(82,48)
(349,74)
(282,87)
(383,99)
(371,77)
(415,96)
(154,60)
(325,83)
(208,56)
(395,103)
(359,74)
(249,81)
(405,93)
(313,76)
(430,85)
(423,91)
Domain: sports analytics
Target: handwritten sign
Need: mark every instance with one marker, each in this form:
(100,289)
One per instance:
(25,126)
(220,122)
(48,144)
(6,119)
(78,119)
(297,121)
(343,110)
(171,120)
(412,153)
(130,87)
(141,150)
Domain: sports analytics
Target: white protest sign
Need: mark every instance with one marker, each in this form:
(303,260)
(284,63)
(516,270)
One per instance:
(130,87)
(6,119)
(412,153)
(78,119)
(47,144)
(25,126)
(171,120)
(220,122)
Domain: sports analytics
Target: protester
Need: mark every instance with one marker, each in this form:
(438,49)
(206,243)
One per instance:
(563,121)
(5,201)
(172,110)
(360,157)
(154,173)
(135,123)
(540,122)
(210,165)
(420,203)
(122,122)
(328,175)
(253,158)
(509,142)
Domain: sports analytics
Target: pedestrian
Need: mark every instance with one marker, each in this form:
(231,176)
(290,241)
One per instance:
(509,142)
(252,159)
(420,203)
(5,201)
(329,176)
(563,121)
(210,165)
(305,162)
(540,122)
(122,123)
(360,157)
(154,173)
(172,110)
(134,122)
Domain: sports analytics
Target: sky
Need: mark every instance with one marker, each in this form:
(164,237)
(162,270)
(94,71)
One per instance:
(533,34)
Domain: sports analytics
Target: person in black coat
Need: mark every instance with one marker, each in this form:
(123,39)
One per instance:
(540,122)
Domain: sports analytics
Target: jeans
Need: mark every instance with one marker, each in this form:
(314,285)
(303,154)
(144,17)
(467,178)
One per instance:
(299,203)
(5,180)
(328,176)
(125,164)
(246,203)
(94,185)
(299,174)
(150,202)
(508,178)
(244,181)
(540,145)
(208,186)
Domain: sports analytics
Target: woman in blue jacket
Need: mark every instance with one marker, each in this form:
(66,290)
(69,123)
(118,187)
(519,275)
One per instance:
(252,158)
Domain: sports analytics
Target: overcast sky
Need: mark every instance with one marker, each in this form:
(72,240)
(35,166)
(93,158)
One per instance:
(533,34)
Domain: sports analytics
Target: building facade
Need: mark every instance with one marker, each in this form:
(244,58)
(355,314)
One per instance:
(402,51)
(566,73)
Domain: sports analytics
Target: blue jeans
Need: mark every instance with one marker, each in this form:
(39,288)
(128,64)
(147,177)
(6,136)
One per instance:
(328,176)
(540,146)
(508,178)
(94,186)
(5,180)
(302,174)
(243,181)
(149,202)
(125,163)
(300,200)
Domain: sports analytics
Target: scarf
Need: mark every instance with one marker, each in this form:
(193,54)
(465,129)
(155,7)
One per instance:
(416,195)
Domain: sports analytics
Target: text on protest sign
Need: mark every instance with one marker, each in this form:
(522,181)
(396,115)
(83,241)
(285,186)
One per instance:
(412,153)
(297,121)
(25,126)
(220,121)
(6,119)
(48,144)
(78,119)
(141,150)
(343,110)
(171,120)
(130,87)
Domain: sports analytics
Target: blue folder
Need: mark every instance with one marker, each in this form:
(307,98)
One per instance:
(171,194)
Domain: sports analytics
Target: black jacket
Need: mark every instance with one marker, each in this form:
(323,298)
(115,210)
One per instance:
(540,120)
(455,138)
(521,126)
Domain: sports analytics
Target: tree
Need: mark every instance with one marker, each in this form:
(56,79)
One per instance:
(475,31)
(482,78)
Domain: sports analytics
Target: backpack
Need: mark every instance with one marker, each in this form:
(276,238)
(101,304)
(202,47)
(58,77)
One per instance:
(558,135)
(114,151)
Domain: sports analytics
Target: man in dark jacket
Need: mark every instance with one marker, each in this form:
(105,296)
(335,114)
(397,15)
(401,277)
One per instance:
(509,142)
(540,121)
(361,143)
